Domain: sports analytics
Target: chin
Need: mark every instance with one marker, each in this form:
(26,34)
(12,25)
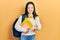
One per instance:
(30,13)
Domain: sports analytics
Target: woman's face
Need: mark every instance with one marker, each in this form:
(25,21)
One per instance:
(30,8)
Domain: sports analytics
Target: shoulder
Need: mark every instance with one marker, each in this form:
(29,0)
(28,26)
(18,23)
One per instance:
(20,16)
(37,17)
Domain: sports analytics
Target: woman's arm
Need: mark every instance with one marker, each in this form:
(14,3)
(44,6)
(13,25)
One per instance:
(17,25)
(38,24)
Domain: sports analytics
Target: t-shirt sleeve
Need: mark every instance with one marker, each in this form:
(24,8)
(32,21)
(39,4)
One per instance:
(38,23)
(17,25)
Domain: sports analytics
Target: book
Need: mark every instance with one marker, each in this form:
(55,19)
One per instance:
(26,23)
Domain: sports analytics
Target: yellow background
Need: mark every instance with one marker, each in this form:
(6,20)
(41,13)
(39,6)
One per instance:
(48,10)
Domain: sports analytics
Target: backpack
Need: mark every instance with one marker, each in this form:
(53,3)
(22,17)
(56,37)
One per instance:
(15,32)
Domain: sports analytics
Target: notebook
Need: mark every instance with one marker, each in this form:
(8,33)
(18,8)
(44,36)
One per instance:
(26,23)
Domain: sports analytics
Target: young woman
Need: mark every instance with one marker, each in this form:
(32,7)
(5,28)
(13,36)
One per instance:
(29,34)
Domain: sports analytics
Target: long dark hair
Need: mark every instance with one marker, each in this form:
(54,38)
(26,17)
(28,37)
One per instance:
(26,10)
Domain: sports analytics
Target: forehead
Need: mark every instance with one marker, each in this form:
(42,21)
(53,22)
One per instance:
(30,5)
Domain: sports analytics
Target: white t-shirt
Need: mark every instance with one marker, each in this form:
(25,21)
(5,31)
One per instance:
(33,21)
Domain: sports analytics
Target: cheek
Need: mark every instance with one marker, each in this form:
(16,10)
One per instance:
(32,10)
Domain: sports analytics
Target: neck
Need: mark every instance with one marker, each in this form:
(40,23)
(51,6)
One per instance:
(30,13)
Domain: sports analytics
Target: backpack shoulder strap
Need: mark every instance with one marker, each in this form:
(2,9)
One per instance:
(23,17)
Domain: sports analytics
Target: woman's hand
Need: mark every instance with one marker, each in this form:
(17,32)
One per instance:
(27,30)
(34,28)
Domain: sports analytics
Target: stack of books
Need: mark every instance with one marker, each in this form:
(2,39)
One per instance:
(26,23)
